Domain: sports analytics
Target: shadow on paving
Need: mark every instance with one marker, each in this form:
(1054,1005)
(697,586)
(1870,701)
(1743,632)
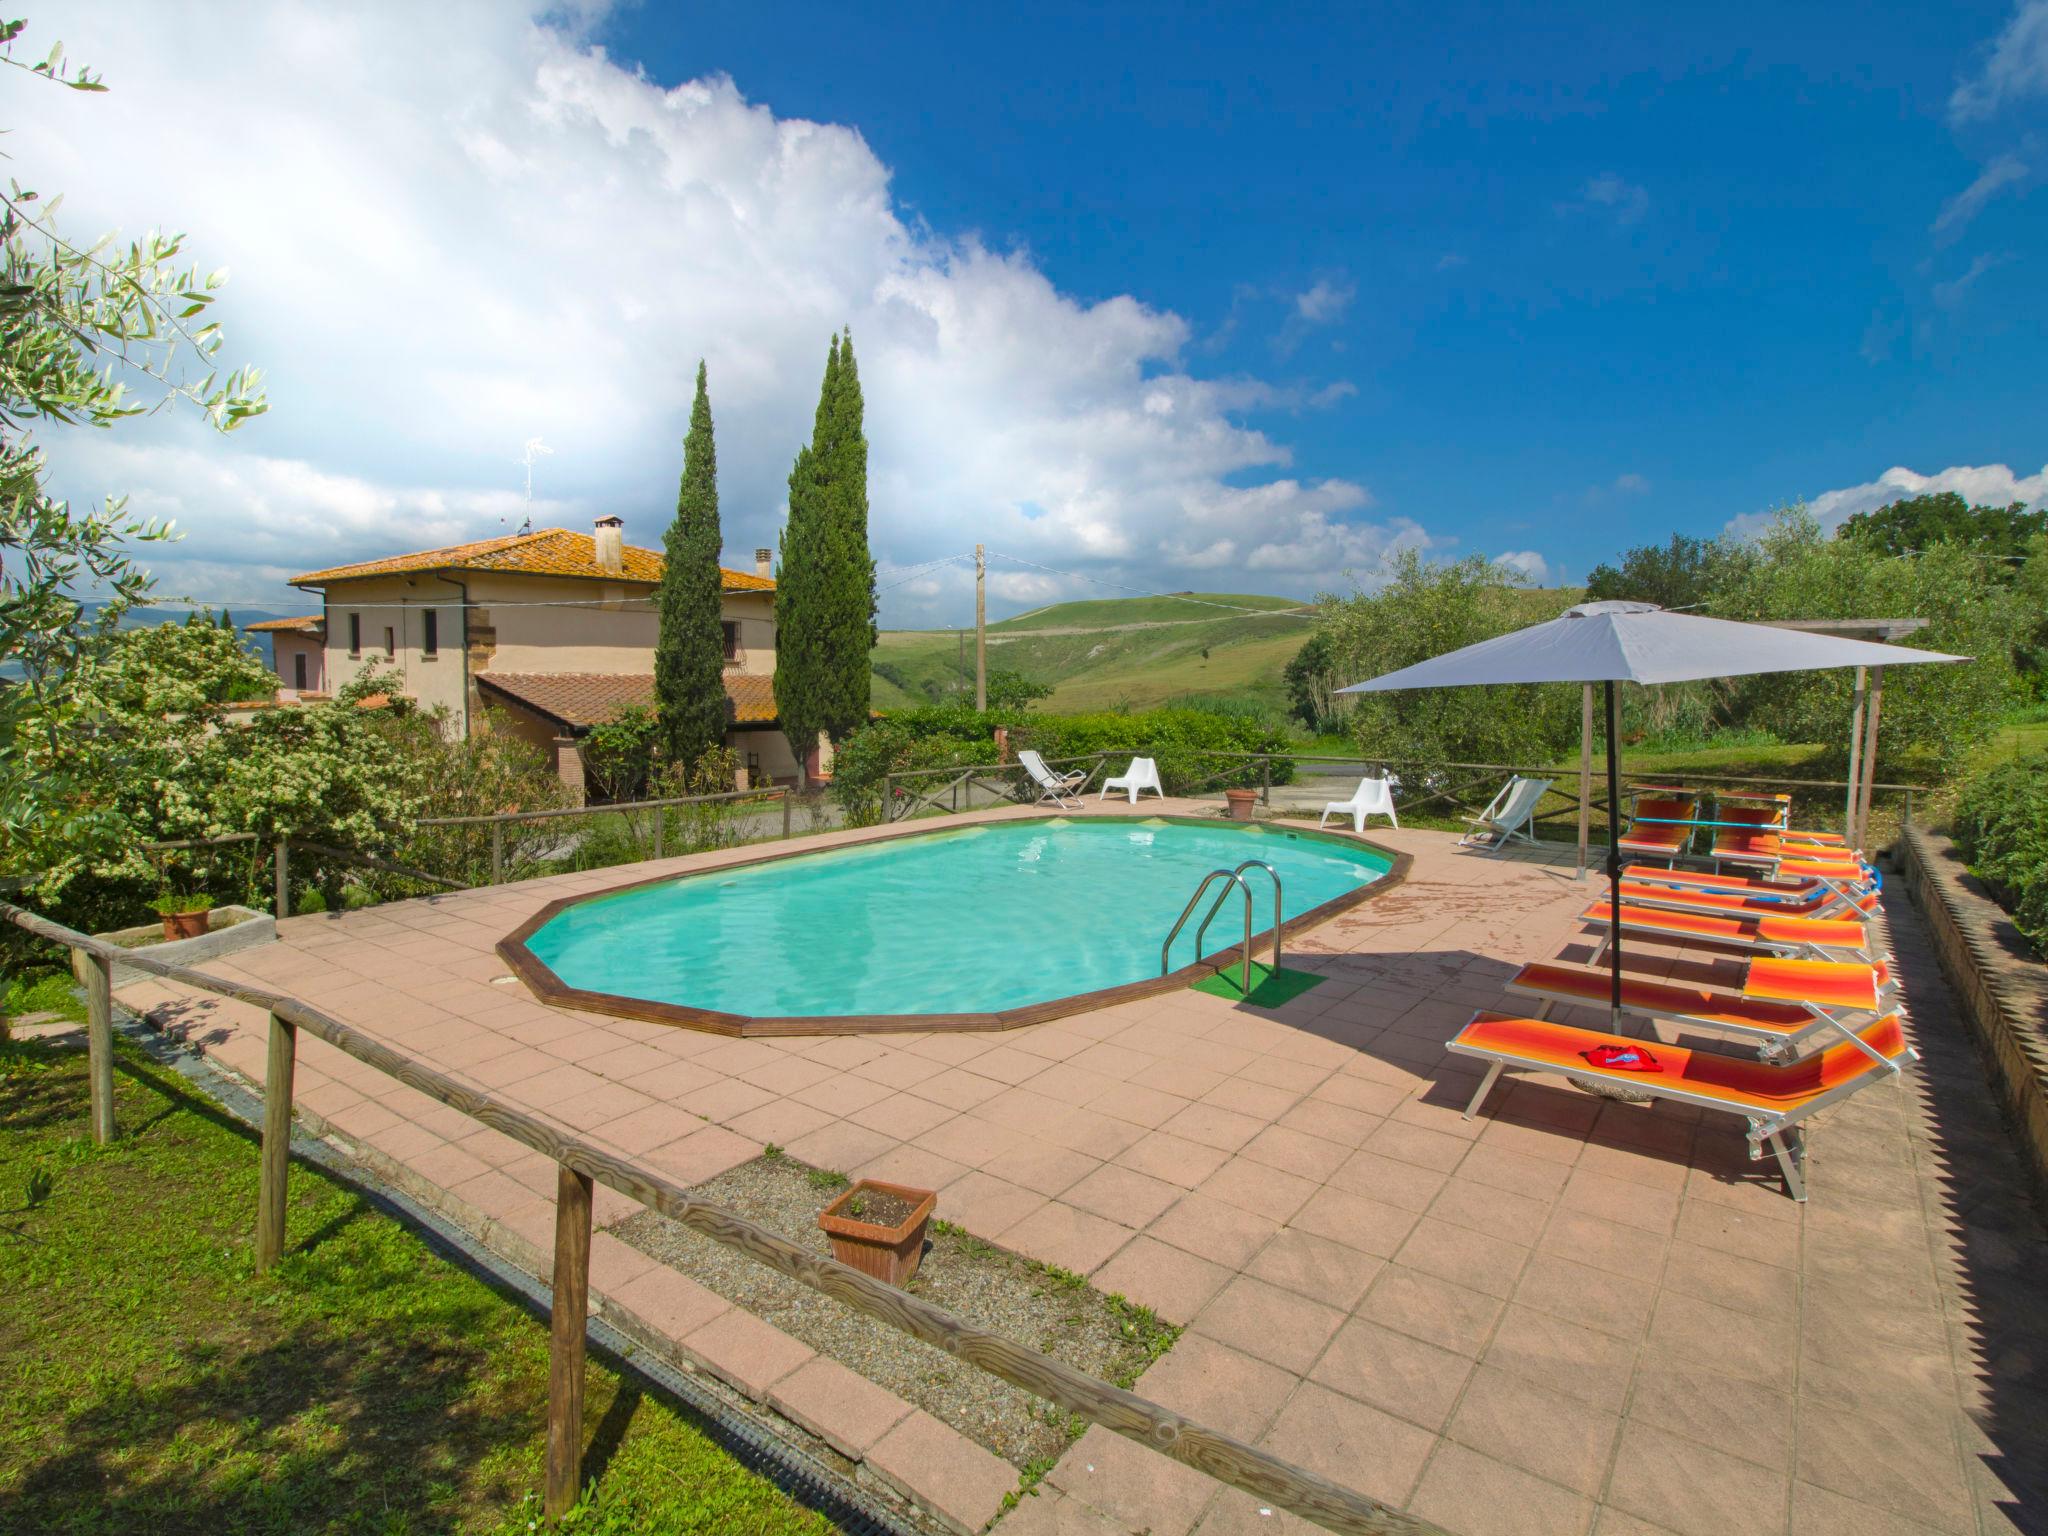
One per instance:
(1991,1252)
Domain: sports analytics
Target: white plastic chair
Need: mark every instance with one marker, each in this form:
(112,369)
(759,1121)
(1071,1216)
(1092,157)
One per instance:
(1058,788)
(1142,774)
(1374,797)
(1509,816)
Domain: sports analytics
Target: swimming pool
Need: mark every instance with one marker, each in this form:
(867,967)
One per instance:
(983,925)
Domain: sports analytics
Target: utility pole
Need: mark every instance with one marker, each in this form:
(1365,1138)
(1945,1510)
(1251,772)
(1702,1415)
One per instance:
(980,629)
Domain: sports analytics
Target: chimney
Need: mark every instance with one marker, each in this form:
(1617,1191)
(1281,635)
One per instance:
(609,540)
(764,563)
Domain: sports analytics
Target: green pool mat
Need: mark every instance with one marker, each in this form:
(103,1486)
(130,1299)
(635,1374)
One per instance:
(1270,988)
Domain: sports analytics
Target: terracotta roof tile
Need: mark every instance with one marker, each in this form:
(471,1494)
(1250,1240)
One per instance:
(544,552)
(305,624)
(582,699)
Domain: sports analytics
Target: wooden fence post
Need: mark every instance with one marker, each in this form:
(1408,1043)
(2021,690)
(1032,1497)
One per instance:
(283,904)
(567,1325)
(277,1141)
(98,976)
(660,829)
(497,853)
(785,812)
(888,798)
(1265,780)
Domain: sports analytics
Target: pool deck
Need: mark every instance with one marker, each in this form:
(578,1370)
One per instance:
(1567,1315)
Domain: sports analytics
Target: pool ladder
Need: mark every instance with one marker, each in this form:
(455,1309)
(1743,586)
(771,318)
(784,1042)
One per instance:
(1229,877)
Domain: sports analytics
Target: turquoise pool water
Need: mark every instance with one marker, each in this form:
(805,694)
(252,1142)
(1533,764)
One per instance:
(976,920)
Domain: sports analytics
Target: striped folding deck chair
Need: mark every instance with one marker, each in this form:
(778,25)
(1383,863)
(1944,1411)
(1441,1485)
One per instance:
(1659,829)
(1816,938)
(1773,1097)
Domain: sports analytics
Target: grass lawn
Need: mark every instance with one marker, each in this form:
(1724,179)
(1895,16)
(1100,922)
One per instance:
(151,1381)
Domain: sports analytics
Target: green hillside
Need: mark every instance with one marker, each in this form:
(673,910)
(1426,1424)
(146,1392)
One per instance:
(1135,652)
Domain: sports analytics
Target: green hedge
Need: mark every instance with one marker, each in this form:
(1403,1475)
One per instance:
(947,736)
(2001,828)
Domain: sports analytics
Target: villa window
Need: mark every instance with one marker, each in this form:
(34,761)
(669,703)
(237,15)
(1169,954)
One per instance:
(732,640)
(430,637)
(390,642)
(355,634)
(299,671)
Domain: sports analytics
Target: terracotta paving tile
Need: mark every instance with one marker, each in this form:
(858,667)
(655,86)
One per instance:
(1532,1141)
(1063,1235)
(1097,1136)
(1467,1203)
(1529,1426)
(840,1145)
(1261,1101)
(901,1115)
(1580,1362)
(1351,1442)
(899,1069)
(1903,1472)
(1146,1107)
(1017,1109)
(1211,1230)
(1254,1187)
(613,1264)
(942,1472)
(1122,1195)
(959,1088)
(1389,1180)
(1740,1344)
(781,1121)
(969,1139)
(1295,1152)
(1182,1079)
(1413,1144)
(1822,1512)
(1476,1495)
(1370,1226)
(1006,1064)
(1635,1166)
(1473,1259)
(1220,1387)
(745,1352)
(1172,1158)
(1741,1418)
(1224,1129)
(1045,1511)
(1410,1379)
(906,1163)
(1169,1280)
(1332,1122)
(1711,1275)
(1360,1094)
(722,1101)
(1753,1238)
(1605,1245)
(703,1154)
(1692,1490)
(1269,1323)
(1581,1294)
(1316,1267)
(846,1411)
(1631,1204)
(1432,1309)
(670,1302)
(987,1206)
(1137,1488)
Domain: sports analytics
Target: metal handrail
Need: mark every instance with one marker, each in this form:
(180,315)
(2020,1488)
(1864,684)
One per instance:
(1279,914)
(1166,949)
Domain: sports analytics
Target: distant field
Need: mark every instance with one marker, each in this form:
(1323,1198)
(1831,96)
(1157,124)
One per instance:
(1134,652)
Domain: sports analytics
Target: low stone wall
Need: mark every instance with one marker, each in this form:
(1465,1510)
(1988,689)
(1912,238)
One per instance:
(2002,984)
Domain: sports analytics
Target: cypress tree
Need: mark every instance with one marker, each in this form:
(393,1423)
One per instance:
(689,655)
(799,587)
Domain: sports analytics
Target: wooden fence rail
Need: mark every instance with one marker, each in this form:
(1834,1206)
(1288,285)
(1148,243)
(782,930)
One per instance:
(581,1165)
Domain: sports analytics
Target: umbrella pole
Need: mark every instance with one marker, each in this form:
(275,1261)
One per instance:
(1585,775)
(1613,849)
(1855,758)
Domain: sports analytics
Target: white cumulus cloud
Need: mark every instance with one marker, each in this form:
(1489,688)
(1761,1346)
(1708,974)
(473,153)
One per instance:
(496,231)
(1527,563)
(2000,173)
(1982,485)
(2014,67)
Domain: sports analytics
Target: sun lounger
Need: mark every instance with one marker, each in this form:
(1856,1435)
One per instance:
(1773,1097)
(1817,938)
(1059,788)
(1824,901)
(1373,797)
(1659,830)
(1142,774)
(1510,815)
(1795,887)
(1776,1029)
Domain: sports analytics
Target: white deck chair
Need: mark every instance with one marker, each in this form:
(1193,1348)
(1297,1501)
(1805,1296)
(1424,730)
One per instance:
(1374,797)
(1509,816)
(1142,774)
(1057,787)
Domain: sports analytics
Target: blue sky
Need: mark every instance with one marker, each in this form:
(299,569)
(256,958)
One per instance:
(1692,245)
(1166,297)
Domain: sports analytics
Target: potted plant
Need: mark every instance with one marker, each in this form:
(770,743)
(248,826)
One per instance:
(878,1228)
(1241,803)
(185,917)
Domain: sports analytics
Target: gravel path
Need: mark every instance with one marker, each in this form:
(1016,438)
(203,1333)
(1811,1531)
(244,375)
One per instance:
(1060,1314)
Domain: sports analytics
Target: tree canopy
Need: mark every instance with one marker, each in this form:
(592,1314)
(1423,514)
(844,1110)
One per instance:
(1919,523)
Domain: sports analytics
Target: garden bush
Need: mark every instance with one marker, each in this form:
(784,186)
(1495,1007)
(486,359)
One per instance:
(2001,828)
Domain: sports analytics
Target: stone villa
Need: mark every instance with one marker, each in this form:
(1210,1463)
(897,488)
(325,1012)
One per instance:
(543,634)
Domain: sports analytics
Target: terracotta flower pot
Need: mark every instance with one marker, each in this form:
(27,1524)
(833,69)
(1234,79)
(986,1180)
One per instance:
(887,1250)
(185,925)
(1241,803)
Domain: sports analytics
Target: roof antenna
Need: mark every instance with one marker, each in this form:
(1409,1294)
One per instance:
(533,450)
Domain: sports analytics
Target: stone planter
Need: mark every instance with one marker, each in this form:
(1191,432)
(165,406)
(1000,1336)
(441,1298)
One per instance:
(888,1249)
(1241,803)
(225,930)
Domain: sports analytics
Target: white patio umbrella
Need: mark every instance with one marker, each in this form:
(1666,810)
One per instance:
(1609,643)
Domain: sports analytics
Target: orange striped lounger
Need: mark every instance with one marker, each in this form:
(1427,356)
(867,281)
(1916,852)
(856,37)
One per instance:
(1777,1029)
(1816,938)
(1801,882)
(1773,1097)
(1820,902)
(1659,830)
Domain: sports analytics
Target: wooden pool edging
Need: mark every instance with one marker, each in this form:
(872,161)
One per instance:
(549,988)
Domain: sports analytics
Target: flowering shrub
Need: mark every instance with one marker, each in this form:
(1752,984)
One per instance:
(2001,828)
